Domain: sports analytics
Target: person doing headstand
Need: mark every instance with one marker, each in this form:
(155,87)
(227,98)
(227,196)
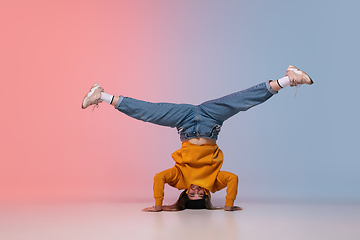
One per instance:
(198,162)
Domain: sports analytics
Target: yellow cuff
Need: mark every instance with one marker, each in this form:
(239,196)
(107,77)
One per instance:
(229,203)
(158,202)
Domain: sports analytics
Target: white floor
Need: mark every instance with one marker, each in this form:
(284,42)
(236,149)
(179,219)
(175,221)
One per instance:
(125,221)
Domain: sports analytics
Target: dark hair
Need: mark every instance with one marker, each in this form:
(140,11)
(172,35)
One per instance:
(184,202)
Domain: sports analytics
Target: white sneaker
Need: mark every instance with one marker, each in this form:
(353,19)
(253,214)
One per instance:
(93,96)
(297,77)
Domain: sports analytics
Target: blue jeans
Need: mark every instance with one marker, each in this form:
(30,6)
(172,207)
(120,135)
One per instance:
(204,120)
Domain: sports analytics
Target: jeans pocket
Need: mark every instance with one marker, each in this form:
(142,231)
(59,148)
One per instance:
(180,129)
(215,130)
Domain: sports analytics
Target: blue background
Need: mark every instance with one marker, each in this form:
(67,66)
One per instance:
(302,148)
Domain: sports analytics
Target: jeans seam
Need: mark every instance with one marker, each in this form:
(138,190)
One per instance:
(236,93)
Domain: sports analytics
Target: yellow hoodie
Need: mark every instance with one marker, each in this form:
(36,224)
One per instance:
(199,165)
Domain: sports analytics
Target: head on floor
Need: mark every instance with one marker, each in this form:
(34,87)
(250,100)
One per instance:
(194,198)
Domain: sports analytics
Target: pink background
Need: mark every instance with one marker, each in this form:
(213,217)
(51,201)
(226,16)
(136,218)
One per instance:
(55,51)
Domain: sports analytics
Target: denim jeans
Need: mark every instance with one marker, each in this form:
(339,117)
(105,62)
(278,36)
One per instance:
(204,120)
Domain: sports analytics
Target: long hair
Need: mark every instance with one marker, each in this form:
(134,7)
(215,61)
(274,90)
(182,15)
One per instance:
(183,199)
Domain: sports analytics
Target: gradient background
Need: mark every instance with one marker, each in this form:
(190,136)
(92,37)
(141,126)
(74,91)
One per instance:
(287,149)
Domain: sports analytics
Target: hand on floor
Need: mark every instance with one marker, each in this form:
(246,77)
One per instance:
(152,209)
(234,208)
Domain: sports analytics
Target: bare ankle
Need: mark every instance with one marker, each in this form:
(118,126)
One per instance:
(115,101)
(275,86)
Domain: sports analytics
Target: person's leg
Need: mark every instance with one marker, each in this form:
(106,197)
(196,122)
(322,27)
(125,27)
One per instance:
(229,105)
(168,114)
(164,114)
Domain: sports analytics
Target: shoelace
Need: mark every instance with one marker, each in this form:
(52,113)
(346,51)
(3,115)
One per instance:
(296,87)
(95,106)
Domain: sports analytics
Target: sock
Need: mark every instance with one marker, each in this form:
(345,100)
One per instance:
(107,97)
(283,82)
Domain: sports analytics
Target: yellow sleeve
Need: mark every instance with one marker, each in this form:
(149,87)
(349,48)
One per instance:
(229,180)
(168,176)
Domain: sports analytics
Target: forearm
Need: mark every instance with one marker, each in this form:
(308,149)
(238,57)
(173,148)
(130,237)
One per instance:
(230,181)
(166,176)
(231,191)
(158,190)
